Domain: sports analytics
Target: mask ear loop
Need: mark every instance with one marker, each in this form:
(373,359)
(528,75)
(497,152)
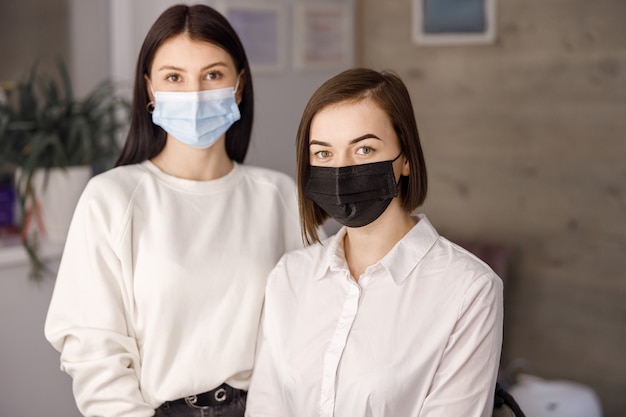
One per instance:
(400,178)
(236,88)
(237,83)
(150,105)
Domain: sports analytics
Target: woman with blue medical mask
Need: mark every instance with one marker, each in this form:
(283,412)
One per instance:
(387,318)
(159,293)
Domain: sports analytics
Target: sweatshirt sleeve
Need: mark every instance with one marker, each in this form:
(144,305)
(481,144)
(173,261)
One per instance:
(87,320)
(464,384)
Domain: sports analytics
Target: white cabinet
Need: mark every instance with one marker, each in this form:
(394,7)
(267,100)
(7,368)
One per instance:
(32,383)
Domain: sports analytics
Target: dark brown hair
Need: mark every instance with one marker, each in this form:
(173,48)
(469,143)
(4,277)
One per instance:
(388,91)
(200,22)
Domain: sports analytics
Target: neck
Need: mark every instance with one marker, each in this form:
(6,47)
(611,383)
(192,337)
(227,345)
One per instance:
(182,161)
(364,246)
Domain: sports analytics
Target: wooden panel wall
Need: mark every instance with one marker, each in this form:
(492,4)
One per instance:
(525,143)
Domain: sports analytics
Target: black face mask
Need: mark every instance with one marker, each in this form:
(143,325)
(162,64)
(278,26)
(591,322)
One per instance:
(354,195)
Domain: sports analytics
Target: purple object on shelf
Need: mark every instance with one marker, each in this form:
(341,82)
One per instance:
(7,205)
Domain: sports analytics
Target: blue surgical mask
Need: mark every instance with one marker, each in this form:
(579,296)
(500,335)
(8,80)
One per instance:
(196,118)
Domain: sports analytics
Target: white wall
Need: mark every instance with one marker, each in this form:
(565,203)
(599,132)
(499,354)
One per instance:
(89,44)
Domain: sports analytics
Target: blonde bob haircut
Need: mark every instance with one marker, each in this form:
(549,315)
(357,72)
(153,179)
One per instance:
(388,91)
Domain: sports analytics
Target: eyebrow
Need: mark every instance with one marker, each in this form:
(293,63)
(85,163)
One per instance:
(352,142)
(175,68)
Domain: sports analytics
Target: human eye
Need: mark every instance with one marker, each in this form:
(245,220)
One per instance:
(323,154)
(365,150)
(214,75)
(174,78)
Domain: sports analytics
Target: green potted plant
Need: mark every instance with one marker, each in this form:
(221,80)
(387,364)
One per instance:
(44,129)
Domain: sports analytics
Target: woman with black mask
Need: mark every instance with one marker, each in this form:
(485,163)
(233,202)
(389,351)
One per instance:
(386,318)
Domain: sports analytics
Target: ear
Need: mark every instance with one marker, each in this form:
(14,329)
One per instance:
(406,168)
(149,87)
(240,86)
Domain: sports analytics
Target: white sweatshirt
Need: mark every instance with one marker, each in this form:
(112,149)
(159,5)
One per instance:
(160,288)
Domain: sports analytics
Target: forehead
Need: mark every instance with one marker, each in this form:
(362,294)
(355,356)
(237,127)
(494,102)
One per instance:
(182,51)
(349,120)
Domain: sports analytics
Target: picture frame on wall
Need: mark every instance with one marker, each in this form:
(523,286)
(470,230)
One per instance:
(323,36)
(454,22)
(262,30)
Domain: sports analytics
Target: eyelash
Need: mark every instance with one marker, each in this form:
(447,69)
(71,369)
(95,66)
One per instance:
(368,150)
(318,154)
(170,76)
(211,76)
(215,74)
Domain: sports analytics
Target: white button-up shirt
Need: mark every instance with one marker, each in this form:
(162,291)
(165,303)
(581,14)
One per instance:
(419,334)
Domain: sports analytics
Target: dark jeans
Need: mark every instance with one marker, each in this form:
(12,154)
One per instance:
(181,409)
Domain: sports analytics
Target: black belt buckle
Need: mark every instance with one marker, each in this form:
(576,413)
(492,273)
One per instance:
(222,395)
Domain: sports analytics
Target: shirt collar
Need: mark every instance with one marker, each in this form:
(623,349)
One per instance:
(410,250)
(333,254)
(400,260)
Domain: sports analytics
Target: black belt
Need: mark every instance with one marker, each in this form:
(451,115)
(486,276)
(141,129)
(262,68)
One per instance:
(222,395)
